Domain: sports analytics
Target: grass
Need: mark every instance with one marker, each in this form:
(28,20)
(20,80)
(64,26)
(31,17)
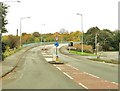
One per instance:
(10,52)
(94,59)
(80,53)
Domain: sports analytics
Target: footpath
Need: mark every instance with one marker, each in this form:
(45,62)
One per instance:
(10,63)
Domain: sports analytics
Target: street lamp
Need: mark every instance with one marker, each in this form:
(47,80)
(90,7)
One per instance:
(41,33)
(13,1)
(81,28)
(21,28)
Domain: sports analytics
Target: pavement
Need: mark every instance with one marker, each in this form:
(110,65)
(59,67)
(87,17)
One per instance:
(11,62)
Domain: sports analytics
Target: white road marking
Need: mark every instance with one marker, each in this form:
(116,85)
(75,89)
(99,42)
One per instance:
(75,68)
(72,67)
(48,55)
(115,83)
(44,53)
(83,85)
(20,77)
(54,65)
(67,75)
(91,75)
(48,59)
(58,68)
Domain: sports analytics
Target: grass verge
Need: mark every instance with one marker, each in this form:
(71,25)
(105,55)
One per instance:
(80,53)
(10,52)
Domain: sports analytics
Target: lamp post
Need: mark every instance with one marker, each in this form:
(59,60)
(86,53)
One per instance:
(13,1)
(21,29)
(81,28)
(41,33)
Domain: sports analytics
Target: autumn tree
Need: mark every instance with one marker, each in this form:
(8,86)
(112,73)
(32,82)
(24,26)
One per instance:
(75,36)
(11,41)
(25,38)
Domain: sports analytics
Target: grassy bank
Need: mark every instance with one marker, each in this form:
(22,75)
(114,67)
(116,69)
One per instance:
(94,59)
(82,54)
(9,52)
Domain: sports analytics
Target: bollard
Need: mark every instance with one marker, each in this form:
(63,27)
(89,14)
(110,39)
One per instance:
(57,58)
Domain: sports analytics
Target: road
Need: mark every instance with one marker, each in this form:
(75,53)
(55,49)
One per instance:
(104,70)
(34,72)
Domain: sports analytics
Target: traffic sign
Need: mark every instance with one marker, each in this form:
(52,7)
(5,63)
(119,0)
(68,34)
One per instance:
(56,38)
(56,44)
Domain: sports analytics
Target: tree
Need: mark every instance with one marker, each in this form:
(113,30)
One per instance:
(11,41)
(3,13)
(116,40)
(89,36)
(25,37)
(75,36)
(36,34)
(105,38)
(63,31)
(93,30)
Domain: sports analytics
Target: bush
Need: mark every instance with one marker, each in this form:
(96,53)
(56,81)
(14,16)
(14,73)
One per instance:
(86,48)
(8,52)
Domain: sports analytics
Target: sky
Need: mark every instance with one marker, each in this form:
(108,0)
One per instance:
(49,16)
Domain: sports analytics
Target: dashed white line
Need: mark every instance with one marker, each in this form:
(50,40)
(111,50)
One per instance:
(67,75)
(75,68)
(21,76)
(48,55)
(115,83)
(54,65)
(72,67)
(91,75)
(83,85)
(44,53)
(48,59)
(58,68)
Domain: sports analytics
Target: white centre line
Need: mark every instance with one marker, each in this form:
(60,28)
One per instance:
(67,75)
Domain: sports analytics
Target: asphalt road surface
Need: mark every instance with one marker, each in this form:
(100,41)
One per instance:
(34,72)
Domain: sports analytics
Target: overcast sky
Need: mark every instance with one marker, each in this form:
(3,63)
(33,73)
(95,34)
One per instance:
(57,14)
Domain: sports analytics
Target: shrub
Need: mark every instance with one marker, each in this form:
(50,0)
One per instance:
(86,48)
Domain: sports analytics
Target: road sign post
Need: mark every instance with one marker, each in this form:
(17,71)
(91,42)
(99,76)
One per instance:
(56,44)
